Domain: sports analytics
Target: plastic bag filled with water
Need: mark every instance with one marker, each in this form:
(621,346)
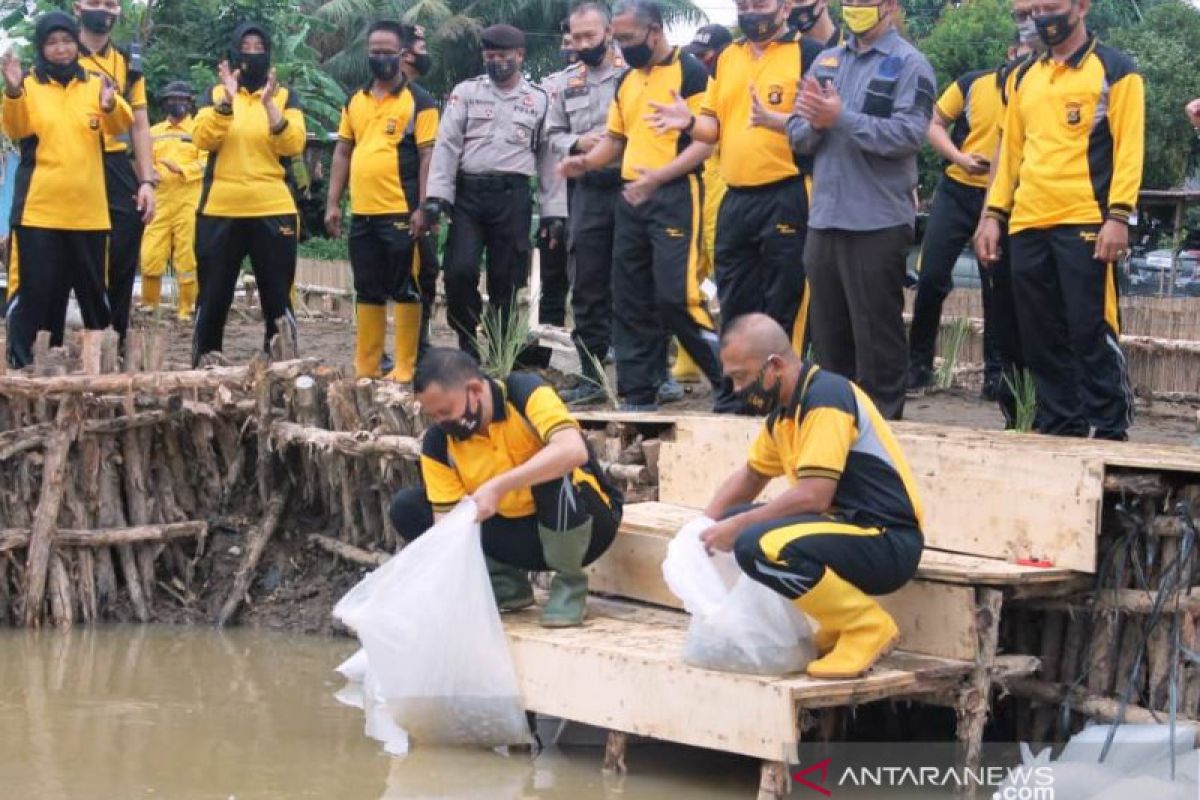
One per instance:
(435,664)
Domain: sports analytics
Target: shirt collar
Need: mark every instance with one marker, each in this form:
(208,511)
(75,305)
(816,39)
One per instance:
(499,401)
(802,381)
(103,51)
(885,44)
(42,77)
(1076,59)
(400,87)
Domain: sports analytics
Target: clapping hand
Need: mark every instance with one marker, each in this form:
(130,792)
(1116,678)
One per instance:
(819,103)
(229,79)
(763,117)
(673,116)
(14,73)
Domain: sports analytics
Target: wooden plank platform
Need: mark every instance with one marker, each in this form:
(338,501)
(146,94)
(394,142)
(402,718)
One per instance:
(622,671)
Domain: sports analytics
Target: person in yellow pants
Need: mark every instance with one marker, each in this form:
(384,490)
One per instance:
(171,236)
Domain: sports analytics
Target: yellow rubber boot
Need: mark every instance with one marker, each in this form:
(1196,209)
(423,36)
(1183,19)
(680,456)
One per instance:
(825,639)
(187,294)
(685,370)
(369,331)
(407,338)
(864,632)
(151,291)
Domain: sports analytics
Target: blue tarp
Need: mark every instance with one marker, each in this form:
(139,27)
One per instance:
(6,191)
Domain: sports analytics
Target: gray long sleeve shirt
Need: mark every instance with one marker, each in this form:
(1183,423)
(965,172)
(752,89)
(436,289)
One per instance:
(865,165)
(487,131)
(581,103)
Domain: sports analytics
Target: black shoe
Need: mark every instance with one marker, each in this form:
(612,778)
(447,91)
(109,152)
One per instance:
(991,389)
(386,364)
(584,394)
(919,379)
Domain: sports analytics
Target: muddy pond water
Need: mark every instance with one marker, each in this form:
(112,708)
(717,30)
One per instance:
(124,713)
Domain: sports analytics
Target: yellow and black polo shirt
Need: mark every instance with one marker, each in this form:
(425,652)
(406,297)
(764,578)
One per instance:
(527,412)
(376,128)
(973,107)
(249,170)
(112,62)
(427,118)
(60,132)
(174,143)
(831,429)
(1073,141)
(755,156)
(636,90)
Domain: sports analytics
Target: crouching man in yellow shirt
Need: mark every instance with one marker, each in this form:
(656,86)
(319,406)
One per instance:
(848,527)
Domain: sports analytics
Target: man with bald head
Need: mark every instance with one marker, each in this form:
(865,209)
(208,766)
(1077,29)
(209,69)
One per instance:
(849,524)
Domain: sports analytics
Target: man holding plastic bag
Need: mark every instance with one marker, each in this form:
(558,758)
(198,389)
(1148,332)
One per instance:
(848,527)
(513,447)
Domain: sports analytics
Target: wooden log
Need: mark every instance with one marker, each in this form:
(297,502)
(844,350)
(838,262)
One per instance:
(1145,484)
(614,753)
(975,700)
(62,597)
(258,539)
(629,473)
(262,414)
(31,437)
(1101,709)
(774,783)
(355,555)
(283,343)
(94,468)
(45,519)
(358,444)
(1051,654)
(1069,671)
(1129,601)
(18,538)
(154,382)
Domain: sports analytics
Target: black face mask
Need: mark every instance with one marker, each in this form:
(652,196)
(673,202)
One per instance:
(421,63)
(594,56)
(638,55)
(177,109)
(1055,28)
(803,18)
(61,73)
(95,20)
(501,71)
(568,55)
(384,67)
(758,27)
(757,397)
(254,68)
(466,426)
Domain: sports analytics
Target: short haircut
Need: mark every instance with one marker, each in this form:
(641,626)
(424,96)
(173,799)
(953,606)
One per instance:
(447,367)
(394,28)
(591,7)
(764,336)
(646,12)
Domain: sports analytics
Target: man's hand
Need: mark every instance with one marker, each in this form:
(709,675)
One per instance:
(639,191)
(1112,242)
(819,104)
(550,232)
(763,117)
(973,163)
(333,220)
(229,79)
(721,536)
(108,94)
(1193,112)
(585,143)
(487,500)
(145,202)
(673,116)
(14,73)
(572,167)
(418,224)
(987,240)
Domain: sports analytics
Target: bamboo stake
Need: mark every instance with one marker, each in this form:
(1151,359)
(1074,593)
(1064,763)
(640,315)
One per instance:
(151,382)
(355,555)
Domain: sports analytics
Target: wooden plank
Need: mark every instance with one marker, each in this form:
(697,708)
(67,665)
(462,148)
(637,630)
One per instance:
(597,674)
(935,619)
(664,519)
(986,494)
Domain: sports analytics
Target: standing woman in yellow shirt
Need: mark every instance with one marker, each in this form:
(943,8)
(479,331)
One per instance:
(58,115)
(252,128)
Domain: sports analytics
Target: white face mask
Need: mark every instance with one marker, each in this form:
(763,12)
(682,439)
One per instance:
(1027,30)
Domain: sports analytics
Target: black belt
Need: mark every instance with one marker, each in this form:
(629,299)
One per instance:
(493,183)
(767,187)
(602,179)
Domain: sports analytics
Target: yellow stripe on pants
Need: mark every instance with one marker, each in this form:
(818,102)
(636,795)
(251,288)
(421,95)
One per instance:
(773,543)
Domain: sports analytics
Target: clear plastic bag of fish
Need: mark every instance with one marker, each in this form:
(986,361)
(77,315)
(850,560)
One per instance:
(435,665)
(738,625)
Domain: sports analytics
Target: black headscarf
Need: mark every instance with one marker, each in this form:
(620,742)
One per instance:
(47,24)
(254,70)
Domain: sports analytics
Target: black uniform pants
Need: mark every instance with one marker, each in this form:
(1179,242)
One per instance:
(491,214)
(222,243)
(1068,318)
(1006,337)
(593,219)
(561,506)
(425,271)
(552,265)
(760,251)
(381,255)
(952,223)
(125,247)
(655,292)
(50,263)
(790,555)
(857,307)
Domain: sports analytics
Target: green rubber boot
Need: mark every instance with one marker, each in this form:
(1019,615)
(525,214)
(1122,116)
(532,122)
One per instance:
(564,552)
(510,585)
